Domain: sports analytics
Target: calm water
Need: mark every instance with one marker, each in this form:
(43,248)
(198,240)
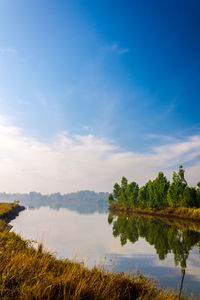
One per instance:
(124,244)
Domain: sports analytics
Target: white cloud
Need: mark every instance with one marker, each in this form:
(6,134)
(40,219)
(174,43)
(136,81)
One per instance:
(72,163)
(8,51)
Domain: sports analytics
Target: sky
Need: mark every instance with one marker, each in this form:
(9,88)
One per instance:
(91,91)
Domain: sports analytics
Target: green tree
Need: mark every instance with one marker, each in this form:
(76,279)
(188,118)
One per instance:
(190,197)
(160,188)
(142,197)
(122,197)
(124,183)
(176,189)
(110,199)
(181,174)
(157,194)
(116,191)
(132,193)
(150,194)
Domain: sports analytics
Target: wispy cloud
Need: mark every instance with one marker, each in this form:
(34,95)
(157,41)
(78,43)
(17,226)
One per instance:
(8,51)
(72,163)
(114,47)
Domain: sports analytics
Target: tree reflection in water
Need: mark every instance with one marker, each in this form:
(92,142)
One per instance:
(164,237)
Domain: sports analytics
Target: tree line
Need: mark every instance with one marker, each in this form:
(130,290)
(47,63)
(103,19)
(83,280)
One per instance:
(158,193)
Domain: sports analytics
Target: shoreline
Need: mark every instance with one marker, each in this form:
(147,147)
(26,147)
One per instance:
(12,212)
(179,213)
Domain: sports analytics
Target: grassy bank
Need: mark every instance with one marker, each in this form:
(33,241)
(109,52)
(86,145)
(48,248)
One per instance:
(5,208)
(182,213)
(9,211)
(29,273)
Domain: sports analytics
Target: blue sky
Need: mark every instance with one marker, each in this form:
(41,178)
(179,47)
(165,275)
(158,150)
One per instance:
(120,74)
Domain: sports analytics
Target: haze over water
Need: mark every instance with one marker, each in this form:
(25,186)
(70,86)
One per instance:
(89,238)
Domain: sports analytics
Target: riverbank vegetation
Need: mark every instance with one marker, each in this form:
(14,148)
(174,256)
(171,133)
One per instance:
(182,223)
(175,198)
(182,213)
(30,273)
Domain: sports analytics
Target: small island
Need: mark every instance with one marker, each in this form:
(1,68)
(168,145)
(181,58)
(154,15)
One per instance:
(158,197)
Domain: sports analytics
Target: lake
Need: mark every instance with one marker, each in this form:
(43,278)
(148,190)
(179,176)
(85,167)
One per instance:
(166,252)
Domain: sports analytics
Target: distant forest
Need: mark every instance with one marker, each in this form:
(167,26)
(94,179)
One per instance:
(157,194)
(82,201)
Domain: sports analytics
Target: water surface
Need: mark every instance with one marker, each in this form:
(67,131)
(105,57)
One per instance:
(121,243)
